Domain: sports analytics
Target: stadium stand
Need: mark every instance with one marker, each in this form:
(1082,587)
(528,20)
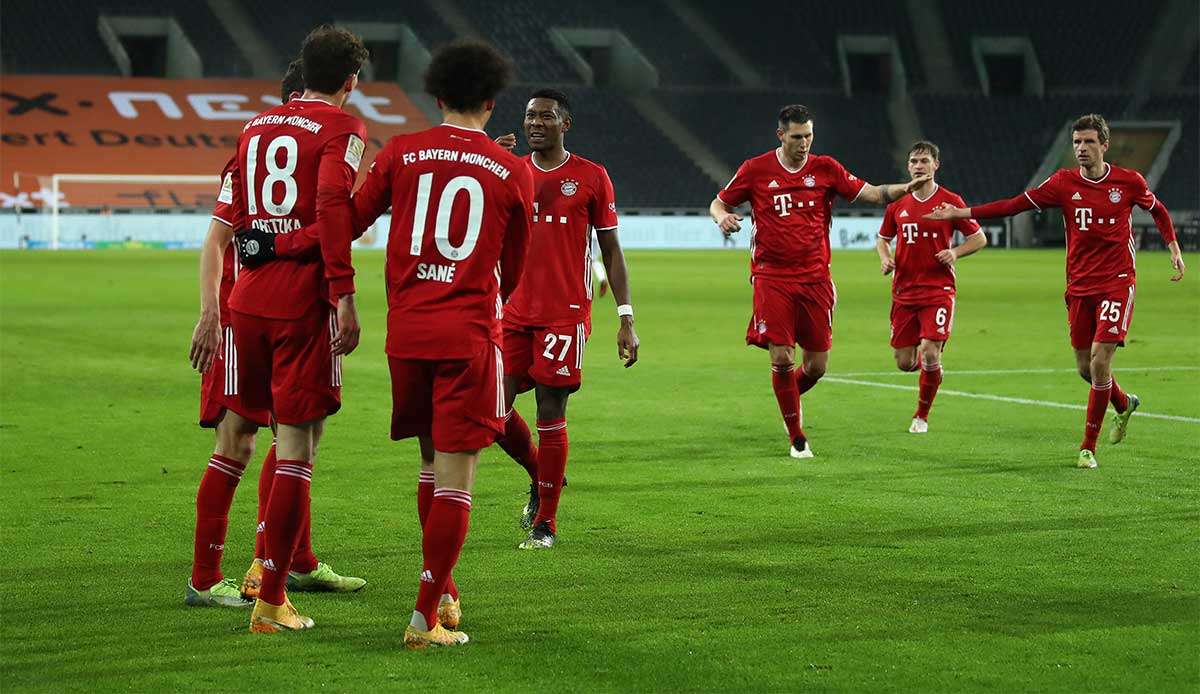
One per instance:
(1180,184)
(1096,47)
(520,26)
(54,37)
(646,169)
(855,131)
(809,31)
(1191,76)
(218,52)
(286,30)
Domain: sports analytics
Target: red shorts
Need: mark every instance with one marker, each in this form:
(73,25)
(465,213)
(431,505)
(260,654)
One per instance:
(912,323)
(551,355)
(286,366)
(459,403)
(1100,317)
(791,313)
(219,387)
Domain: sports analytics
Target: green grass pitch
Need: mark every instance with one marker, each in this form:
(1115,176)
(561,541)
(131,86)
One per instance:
(694,554)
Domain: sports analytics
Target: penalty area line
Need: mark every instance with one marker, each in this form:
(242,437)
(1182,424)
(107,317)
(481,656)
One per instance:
(1001,398)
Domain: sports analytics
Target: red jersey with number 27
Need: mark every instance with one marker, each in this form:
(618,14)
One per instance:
(295,166)
(568,202)
(793,210)
(459,232)
(919,275)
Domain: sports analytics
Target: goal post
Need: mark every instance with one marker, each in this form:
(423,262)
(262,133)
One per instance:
(57,180)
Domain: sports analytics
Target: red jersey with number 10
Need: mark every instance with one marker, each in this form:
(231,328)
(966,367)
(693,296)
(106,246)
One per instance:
(459,231)
(920,276)
(793,210)
(295,166)
(568,202)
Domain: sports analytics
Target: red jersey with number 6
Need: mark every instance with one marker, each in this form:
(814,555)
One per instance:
(568,202)
(920,277)
(793,210)
(460,228)
(295,166)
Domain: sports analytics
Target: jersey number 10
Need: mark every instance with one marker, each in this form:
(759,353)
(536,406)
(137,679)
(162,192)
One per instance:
(441,224)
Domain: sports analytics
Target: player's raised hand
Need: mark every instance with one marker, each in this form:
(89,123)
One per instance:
(948,211)
(946,257)
(627,343)
(507,141)
(728,222)
(206,341)
(346,338)
(1178,264)
(917,182)
(887,265)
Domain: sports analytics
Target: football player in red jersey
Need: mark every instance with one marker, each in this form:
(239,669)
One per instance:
(214,355)
(1097,201)
(548,320)
(923,285)
(791,193)
(295,165)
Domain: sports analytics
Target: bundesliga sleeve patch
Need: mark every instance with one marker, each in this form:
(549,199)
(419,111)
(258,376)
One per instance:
(354,152)
(226,194)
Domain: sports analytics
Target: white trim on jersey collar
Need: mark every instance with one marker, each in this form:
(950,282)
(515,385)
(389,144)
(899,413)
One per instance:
(310,101)
(555,168)
(1107,171)
(779,158)
(935,190)
(470,130)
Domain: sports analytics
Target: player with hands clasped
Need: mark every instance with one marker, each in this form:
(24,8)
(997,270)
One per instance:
(1097,201)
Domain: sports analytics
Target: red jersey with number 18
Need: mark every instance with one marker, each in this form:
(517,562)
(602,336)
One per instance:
(460,228)
(920,276)
(568,202)
(295,166)
(793,210)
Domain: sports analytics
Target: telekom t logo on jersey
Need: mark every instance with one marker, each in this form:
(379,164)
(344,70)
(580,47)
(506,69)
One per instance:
(783,203)
(910,232)
(1083,217)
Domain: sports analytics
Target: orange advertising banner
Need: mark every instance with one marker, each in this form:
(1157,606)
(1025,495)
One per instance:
(150,128)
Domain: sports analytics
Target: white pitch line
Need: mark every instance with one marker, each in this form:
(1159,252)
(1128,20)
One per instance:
(1001,372)
(1002,398)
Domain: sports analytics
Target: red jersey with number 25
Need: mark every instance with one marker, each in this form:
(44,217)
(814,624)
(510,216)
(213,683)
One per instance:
(568,202)
(919,275)
(793,210)
(1098,217)
(459,231)
(295,166)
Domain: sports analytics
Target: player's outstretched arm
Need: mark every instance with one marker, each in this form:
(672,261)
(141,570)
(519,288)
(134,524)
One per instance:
(890,192)
(971,244)
(206,338)
(618,277)
(724,216)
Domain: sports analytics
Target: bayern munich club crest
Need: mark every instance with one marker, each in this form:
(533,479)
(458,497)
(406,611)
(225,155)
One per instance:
(1114,195)
(810,180)
(569,187)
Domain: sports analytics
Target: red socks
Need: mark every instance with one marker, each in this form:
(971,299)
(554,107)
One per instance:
(552,464)
(424,504)
(444,531)
(1119,400)
(213,500)
(265,478)
(284,520)
(930,379)
(784,382)
(518,443)
(1097,404)
(804,382)
(303,559)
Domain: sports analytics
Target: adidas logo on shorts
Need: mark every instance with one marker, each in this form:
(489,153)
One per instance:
(563,371)
(1114,330)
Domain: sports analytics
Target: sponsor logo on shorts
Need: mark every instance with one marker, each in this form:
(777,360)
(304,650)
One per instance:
(563,371)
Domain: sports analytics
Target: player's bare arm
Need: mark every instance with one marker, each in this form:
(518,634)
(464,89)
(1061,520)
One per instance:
(971,244)
(206,338)
(618,277)
(724,216)
(890,192)
(887,263)
(1176,261)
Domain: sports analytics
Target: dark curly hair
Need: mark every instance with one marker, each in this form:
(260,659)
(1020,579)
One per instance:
(564,104)
(465,74)
(330,55)
(293,80)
